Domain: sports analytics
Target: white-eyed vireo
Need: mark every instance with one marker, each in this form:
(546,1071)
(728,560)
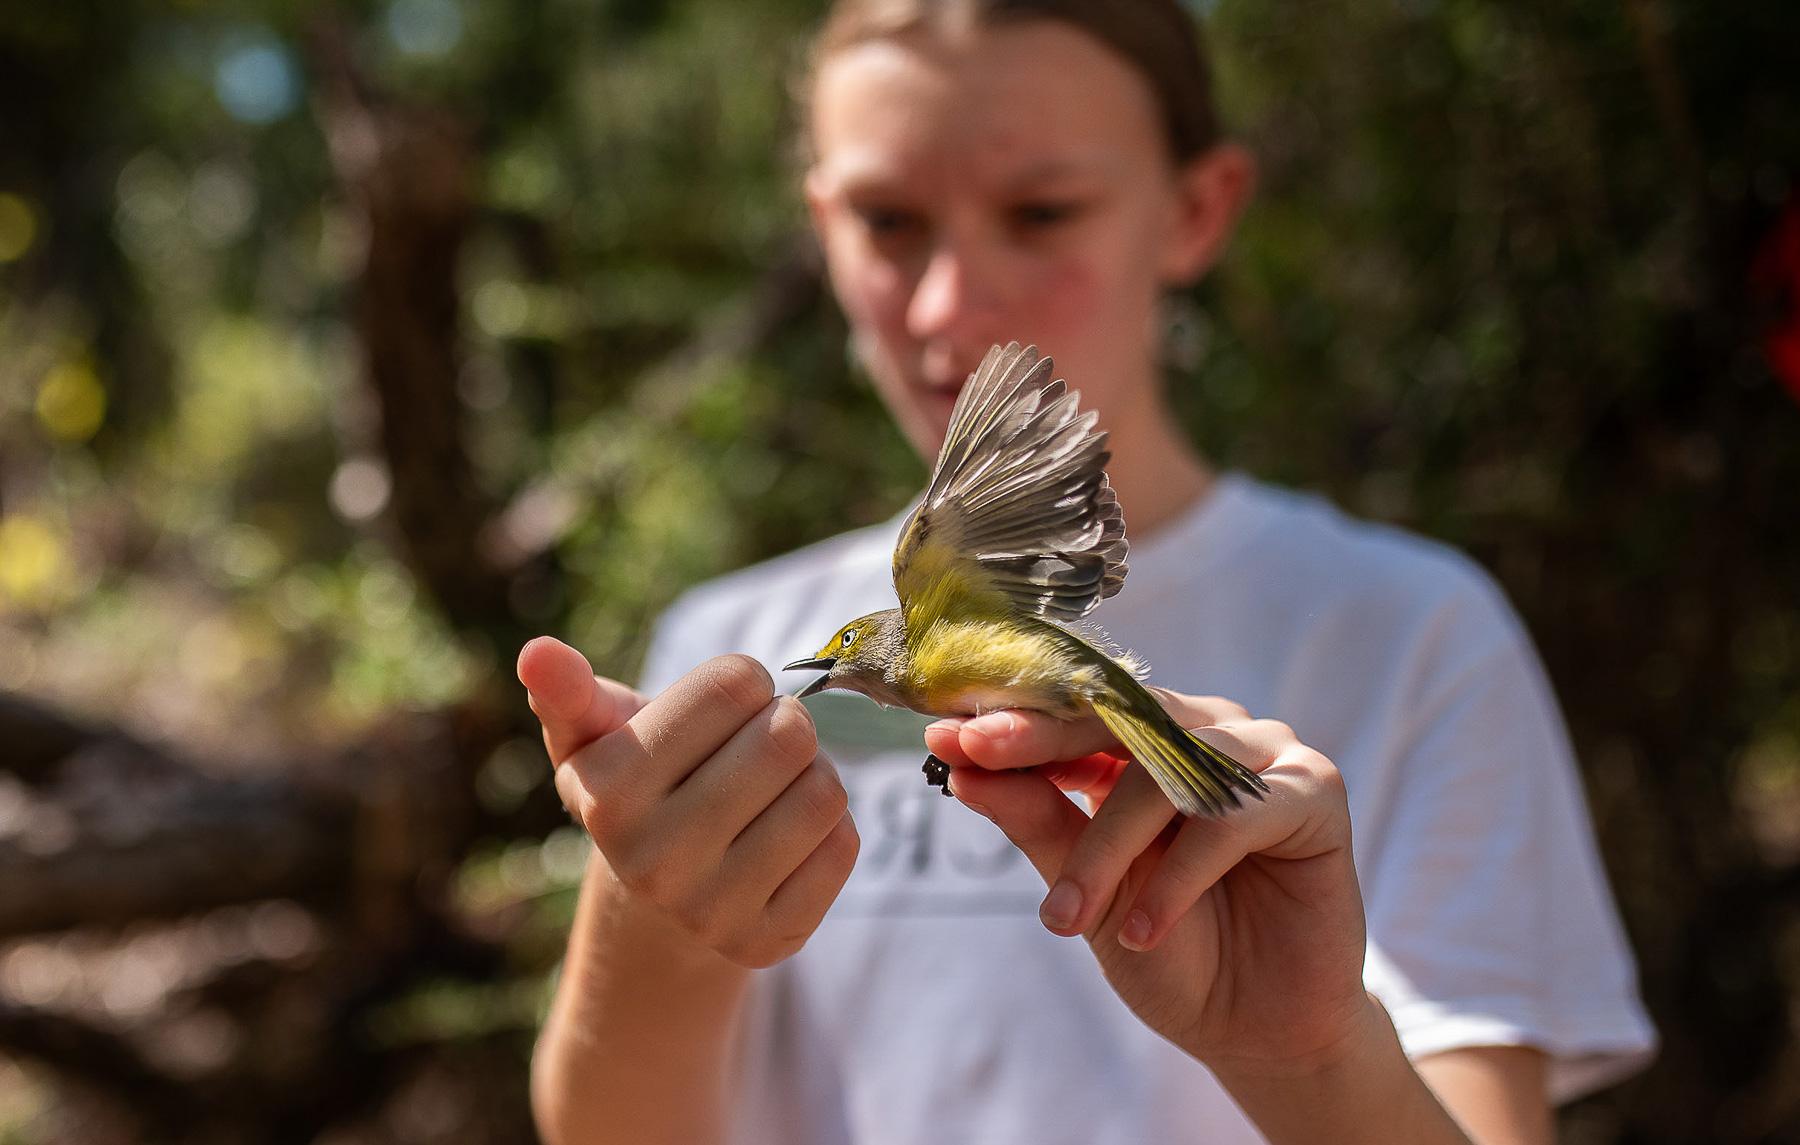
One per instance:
(1019,536)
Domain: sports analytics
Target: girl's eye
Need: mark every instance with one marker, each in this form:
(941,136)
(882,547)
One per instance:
(1043,215)
(889,223)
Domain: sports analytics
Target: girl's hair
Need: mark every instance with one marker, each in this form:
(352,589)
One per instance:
(1159,38)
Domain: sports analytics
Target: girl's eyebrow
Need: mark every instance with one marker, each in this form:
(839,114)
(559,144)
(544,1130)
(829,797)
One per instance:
(1062,168)
(866,175)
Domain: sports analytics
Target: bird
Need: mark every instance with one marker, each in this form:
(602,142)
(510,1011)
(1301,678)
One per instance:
(1018,537)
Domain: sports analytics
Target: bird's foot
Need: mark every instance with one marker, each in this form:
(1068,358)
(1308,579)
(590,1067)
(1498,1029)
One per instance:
(937,773)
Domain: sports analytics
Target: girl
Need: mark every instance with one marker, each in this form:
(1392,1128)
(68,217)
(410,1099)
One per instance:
(985,171)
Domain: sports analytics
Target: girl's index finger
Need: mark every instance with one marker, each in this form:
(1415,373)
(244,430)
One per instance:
(1007,740)
(1017,738)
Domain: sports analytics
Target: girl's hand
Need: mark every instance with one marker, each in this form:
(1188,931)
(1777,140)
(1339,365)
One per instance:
(711,804)
(1240,939)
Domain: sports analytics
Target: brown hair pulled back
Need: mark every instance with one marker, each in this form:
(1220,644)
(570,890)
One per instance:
(1157,37)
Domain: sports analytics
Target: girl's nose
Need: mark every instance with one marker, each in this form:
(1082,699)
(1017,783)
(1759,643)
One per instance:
(955,299)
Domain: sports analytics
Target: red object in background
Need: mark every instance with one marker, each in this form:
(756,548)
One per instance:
(1775,284)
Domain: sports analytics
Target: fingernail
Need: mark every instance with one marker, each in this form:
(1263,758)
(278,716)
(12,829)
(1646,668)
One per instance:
(950,725)
(1062,906)
(1135,934)
(998,724)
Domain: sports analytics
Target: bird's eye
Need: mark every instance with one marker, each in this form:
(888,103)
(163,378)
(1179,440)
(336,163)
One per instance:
(849,635)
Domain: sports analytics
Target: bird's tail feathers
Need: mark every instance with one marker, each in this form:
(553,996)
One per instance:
(1198,778)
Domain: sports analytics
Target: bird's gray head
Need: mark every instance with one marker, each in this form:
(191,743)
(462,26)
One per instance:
(862,656)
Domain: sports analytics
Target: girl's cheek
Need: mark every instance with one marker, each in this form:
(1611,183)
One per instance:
(875,294)
(868,287)
(1068,295)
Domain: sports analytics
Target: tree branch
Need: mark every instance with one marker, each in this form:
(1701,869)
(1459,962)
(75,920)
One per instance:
(36,737)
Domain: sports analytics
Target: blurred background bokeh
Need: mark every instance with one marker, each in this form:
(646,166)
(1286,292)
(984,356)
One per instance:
(343,347)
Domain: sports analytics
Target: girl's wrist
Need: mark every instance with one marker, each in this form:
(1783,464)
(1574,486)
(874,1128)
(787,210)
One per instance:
(630,923)
(1361,1023)
(1359,1086)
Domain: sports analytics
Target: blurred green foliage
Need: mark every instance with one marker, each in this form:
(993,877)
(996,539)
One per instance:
(1493,289)
(196,432)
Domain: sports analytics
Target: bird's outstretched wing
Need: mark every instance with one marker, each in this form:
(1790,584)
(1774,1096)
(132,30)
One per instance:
(1018,511)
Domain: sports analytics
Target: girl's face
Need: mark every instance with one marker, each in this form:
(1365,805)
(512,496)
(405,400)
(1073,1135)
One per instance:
(1008,184)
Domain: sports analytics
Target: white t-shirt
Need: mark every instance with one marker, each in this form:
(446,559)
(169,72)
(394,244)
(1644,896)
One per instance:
(932,1007)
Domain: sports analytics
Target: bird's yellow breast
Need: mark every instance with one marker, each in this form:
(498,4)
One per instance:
(962,666)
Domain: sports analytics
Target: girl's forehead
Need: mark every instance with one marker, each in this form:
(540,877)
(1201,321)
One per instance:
(998,106)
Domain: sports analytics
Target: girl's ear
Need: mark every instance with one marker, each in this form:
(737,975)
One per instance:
(1211,191)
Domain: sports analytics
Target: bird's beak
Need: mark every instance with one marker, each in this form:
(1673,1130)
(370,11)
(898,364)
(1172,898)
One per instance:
(823,663)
